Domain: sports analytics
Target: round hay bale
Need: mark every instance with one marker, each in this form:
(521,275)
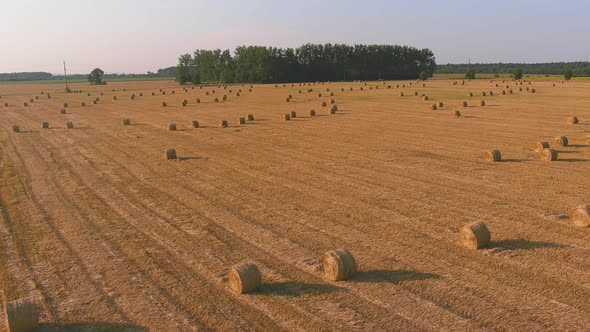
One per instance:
(195,124)
(237,94)
(334,108)
(324,104)
(94,102)
(470,94)
(332,101)
(293,114)
(173,92)
(114,97)
(172,126)
(45,125)
(206,93)
(216,100)
(434,107)
(311,112)
(475,236)
(16,128)
(184,103)
(223,124)
(250,117)
(503,92)
(21,315)
(241,120)
(198,101)
(126,122)
(224,98)
(540,146)
(338,265)
(425,98)
(415,93)
(482,103)
(171,154)
(82,104)
(153,93)
(533,90)
(132,97)
(510,91)
(5,104)
(62,111)
(581,216)
(319,95)
(25,104)
(464,104)
(244,277)
(548,155)
(287,99)
(573,120)
(457,114)
(164,104)
(331,94)
(588,139)
(141,94)
(561,141)
(351,89)
(70,125)
(483,93)
(48,96)
(493,156)
(286,117)
(401,93)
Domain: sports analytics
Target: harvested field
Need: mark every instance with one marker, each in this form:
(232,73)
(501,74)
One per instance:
(98,227)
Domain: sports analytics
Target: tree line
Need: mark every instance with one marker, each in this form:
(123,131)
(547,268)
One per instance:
(580,68)
(307,63)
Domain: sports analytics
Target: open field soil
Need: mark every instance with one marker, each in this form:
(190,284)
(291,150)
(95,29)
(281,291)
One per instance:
(105,234)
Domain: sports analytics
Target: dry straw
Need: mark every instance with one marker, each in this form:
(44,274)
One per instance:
(493,156)
(171,154)
(475,236)
(561,141)
(338,265)
(581,216)
(540,146)
(21,315)
(549,155)
(244,277)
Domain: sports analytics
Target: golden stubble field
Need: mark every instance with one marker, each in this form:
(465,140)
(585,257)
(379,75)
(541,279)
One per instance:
(105,234)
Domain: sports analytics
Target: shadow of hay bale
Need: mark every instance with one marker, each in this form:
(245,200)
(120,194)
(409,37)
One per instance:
(392,276)
(91,327)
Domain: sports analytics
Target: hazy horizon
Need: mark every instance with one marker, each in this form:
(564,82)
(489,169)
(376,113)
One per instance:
(140,36)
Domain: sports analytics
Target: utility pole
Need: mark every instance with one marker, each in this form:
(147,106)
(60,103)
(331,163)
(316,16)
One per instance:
(66,76)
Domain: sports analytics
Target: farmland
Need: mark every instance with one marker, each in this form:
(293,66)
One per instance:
(104,233)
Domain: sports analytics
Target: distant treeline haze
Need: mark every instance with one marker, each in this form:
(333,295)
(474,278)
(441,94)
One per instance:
(310,62)
(580,68)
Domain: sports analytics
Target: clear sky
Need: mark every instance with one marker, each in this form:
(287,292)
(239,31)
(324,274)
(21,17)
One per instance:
(134,36)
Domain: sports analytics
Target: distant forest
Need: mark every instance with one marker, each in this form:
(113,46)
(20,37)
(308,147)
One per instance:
(580,68)
(310,62)
(41,76)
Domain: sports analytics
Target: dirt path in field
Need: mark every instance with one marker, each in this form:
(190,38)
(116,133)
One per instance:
(104,233)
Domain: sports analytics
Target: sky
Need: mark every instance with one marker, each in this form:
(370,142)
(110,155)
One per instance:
(133,36)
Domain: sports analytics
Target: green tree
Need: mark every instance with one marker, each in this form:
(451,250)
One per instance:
(517,73)
(95,77)
(568,74)
(184,69)
(423,75)
(470,74)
